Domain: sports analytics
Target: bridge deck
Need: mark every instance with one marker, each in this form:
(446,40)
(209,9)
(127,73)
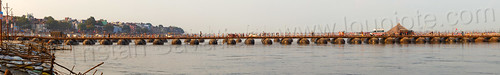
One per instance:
(256,37)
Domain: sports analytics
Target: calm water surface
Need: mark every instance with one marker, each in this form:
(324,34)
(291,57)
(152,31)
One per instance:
(363,59)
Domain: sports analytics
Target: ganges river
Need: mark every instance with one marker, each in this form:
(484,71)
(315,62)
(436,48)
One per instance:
(276,59)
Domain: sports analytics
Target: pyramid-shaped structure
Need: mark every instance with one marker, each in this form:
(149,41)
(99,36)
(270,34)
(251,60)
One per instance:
(397,29)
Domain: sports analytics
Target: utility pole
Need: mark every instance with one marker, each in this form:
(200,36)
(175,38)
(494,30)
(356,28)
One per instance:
(1,24)
(7,21)
(12,19)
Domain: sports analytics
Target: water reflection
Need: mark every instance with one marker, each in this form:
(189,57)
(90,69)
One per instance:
(455,58)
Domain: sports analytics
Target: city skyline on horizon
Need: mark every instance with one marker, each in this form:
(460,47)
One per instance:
(271,16)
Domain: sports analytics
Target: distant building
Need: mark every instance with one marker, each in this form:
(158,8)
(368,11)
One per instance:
(104,22)
(41,27)
(67,19)
(38,25)
(117,29)
(99,27)
(75,24)
(148,26)
(132,28)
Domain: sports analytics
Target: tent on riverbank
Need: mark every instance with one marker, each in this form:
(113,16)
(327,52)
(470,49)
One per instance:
(398,30)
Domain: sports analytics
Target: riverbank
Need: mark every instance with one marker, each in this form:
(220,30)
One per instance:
(24,57)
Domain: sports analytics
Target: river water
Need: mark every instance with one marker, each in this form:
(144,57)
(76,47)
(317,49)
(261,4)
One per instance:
(258,59)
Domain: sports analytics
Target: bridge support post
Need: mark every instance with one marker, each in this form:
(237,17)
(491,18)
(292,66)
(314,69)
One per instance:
(176,42)
(150,40)
(105,42)
(322,41)
(194,42)
(201,40)
(339,41)
(303,41)
(140,42)
(354,41)
(249,41)
(405,40)
(231,42)
(277,40)
(389,40)
(421,40)
(88,42)
(365,40)
(493,39)
(238,40)
(212,42)
(286,41)
(267,41)
(435,40)
(479,39)
(373,41)
(158,42)
(71,42)
(123,42)
(187,40)
(451,40)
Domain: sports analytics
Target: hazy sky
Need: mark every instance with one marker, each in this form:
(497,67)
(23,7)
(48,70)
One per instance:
(276,15)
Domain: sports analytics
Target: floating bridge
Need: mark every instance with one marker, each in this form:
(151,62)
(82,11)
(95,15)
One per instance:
(266,40)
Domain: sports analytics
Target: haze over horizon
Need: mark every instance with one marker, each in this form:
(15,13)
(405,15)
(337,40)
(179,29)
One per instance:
(276,15)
